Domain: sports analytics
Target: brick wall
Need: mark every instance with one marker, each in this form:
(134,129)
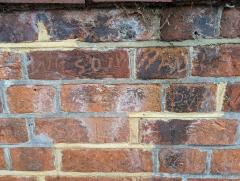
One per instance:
(130,94)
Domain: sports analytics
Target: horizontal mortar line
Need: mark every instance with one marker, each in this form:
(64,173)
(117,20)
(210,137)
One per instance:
(192,80)
(149,147)
(64,114)
(74,43)
(205,176)
(74,174)
(105,145)
(174,115)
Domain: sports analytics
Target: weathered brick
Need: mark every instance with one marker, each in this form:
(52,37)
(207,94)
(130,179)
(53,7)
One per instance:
(93,25)
(162,63)
(18,27)
(89,179)
(32,159)
(20,178)
(84,130)
(107,160)
(78,64)
(191,98)
(188,22)
(216,61)
(2,160)
(212,179)
(13,131)
(10,65)
(110,98)
(160,179)
(232,98)
(27,99)
(225,162)
(230,23)
(217,132)
(182,161)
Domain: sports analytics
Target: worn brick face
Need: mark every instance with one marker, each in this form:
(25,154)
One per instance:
(230,24)
(191,98)
(10,65)
(27,99)
(78,64)
(84,130)
(13,131)
(110,98)
(18,27)
(217,132)
(2,160)
(95,25)
(107,160)
(159,179)
(32,159)
(189,22)
(162,63)
(182,161)
(216,61)
(11,178)
(225,162)
(89,179)
(232,98)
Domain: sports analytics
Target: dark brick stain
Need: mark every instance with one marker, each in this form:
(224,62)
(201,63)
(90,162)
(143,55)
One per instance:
(98,26)
(161,64)
(173,160)
(165,132)
(17,27)
(189,99)
(232,98)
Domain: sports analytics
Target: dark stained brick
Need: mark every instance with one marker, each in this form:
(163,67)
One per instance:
(194,132)
(94,25)
(188,22)
(162,63)
(191,98)
(18,27)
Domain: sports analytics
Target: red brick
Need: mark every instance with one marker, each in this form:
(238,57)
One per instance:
(89,179)
(232,98)
(32,159)
(11,178)
(160,179)
(216,61)
(18,27)
(217,132)
(107,160)
(191,98)
(225,162)
(78,64)
(2,160)
(188,22)
(28,99)
(94,25)
(84,130)
(162,63)
(13,131)
(208,179)
(110,98)
(10,66)
(182,161)
(230,23)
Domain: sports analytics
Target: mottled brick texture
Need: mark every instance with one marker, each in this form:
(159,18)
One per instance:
(102,91)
